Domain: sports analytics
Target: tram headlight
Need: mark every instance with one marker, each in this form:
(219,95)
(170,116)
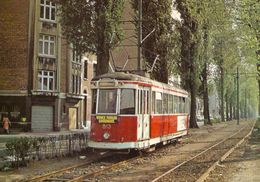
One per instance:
(106,135)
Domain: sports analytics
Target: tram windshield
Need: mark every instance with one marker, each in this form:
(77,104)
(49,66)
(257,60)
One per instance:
(107,101)
(127,101)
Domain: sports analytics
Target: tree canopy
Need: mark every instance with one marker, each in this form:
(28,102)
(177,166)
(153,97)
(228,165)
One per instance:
(92,26)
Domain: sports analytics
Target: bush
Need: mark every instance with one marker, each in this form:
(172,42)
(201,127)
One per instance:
(19,149)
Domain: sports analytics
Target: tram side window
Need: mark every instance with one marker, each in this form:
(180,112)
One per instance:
(153,102)
(176,104)
(107,101)
(185,105)
(158,101)
(170,104)
(165,103)
(180,105)
(127,101)
(94,101)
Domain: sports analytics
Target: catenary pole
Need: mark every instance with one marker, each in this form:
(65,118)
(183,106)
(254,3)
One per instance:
(237,97)
(139,64)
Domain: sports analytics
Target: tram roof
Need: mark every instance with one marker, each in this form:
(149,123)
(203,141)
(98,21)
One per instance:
(122,76)
(131,77)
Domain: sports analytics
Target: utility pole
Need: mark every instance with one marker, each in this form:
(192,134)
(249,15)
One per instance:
(237,97)
(139,51)
(245,105)
(258,79)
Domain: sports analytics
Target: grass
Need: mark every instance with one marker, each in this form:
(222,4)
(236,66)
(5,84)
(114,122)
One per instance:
(215,121)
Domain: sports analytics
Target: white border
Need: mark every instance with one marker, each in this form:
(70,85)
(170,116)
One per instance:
(135,145)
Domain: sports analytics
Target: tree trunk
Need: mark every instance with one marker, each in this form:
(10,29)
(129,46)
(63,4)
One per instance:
(230,110)
(227,108)
(103,46)
(205,78)
(234,113)
(205,95)
(193,118)
(103,61)
(222,93)
(193,92)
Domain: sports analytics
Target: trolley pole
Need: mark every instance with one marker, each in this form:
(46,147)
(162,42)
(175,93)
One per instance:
(139,51)
(237,97)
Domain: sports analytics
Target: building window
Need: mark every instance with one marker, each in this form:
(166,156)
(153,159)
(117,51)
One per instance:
(76,76)
(76,58)
(45,63)
(47,45)
(48,10)
(94,70)
(46,80)
(76,84)
(86,69)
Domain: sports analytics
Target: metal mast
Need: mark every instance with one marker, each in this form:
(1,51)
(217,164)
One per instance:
(139,52)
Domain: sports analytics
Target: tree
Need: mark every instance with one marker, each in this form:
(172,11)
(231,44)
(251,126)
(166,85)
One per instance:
(189,64)
(157,18)
(92,26)
(247,18)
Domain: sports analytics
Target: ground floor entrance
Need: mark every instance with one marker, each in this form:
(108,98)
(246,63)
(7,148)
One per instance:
(73,113)
(42,118)
(41,113)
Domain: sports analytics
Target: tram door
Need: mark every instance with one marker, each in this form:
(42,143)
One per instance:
(143,114)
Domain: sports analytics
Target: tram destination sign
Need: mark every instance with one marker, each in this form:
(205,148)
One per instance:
(106,119)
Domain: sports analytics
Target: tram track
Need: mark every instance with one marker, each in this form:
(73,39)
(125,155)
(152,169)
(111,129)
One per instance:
(100,169)
(198,167)
(48,176)
(86,170)
(110,175)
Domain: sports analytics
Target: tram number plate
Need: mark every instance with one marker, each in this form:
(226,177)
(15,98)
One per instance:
(106,119)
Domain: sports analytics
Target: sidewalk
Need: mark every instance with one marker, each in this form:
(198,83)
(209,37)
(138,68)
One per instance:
(249,164)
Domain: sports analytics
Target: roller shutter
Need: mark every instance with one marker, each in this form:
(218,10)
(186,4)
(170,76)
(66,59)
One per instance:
(42,118)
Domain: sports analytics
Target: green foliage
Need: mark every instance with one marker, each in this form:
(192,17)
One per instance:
(24,149)
(92,26)
(19,148)
(164,41)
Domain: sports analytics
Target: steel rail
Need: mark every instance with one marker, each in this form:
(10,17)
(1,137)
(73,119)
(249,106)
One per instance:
(204,151)
(61,171)
(81,178)
(204,176)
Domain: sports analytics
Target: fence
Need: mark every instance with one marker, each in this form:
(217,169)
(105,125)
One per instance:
(23,149)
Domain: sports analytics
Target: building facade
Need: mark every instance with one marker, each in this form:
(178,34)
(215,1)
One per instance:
(43,83)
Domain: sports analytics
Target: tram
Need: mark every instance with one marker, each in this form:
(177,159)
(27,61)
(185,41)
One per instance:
(134,112)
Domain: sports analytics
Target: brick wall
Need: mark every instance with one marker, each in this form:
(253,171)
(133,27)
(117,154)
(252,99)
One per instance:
(14,21)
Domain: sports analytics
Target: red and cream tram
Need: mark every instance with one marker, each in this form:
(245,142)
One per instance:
(134,112)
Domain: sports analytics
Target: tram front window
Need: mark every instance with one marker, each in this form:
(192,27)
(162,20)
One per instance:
(127,101)
(107,101)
